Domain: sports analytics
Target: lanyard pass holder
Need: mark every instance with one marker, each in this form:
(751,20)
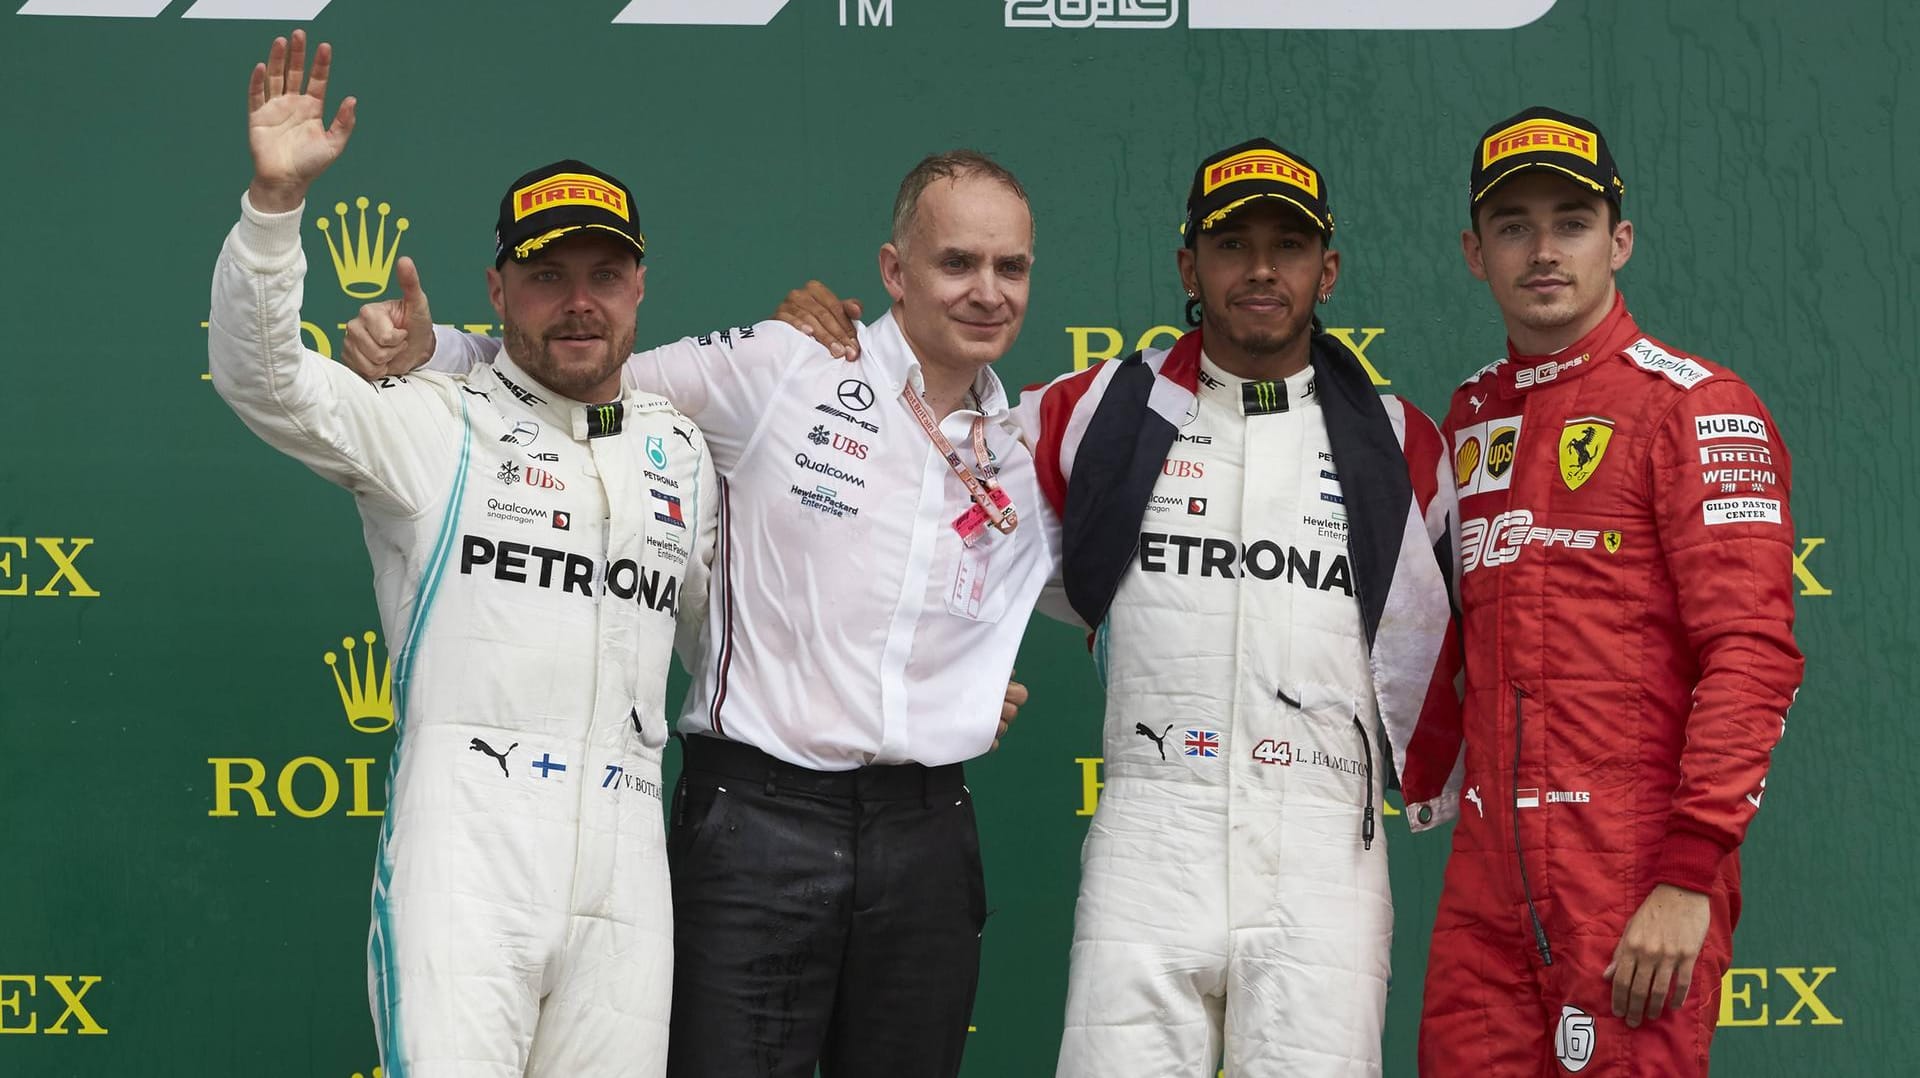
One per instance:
(991,505)
(972,523)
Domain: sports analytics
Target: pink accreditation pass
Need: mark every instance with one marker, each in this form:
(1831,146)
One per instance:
(970,523)
(970,582)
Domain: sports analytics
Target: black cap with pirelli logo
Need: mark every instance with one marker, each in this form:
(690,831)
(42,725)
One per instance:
(1546,138)
(1255,169)
(559,200)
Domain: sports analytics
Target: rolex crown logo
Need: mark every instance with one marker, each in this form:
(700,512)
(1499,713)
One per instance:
(375,1073)
(367,690)
(363,267)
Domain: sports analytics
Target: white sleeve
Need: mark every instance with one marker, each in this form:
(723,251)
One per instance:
(1026,416)
(392,445)
(1053,595)
(457,352)
(725,381)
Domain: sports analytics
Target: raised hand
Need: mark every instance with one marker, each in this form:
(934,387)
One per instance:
(394,336)
(286,124)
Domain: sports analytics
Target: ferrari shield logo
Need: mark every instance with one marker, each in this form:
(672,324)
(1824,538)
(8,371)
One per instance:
(1582,443)
(1612,541)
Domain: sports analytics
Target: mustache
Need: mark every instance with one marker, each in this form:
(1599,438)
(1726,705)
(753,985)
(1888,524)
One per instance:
(577,327)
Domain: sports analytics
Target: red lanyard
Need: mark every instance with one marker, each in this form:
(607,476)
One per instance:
(990,504)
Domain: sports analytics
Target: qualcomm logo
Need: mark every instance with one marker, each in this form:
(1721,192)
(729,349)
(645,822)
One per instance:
(1266,15)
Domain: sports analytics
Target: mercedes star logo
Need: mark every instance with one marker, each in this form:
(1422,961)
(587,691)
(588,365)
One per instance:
(856,394)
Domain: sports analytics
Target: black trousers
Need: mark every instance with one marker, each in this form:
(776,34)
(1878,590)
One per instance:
(829,917)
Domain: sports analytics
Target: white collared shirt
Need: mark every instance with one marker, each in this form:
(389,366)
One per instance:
(848,624)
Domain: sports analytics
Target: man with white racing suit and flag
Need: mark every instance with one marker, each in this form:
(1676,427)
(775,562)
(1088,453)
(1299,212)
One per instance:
(1260,541)
(535,530)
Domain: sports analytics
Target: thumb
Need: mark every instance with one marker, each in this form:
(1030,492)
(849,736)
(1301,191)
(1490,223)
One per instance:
(411,295)
(409,276)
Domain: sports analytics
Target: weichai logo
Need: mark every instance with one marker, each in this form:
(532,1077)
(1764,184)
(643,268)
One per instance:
(1532,136)
(569,189)
(1264,165)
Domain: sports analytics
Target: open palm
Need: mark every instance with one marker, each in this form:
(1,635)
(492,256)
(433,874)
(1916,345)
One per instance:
(286,121)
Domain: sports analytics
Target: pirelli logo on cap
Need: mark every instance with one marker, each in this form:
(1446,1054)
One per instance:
(1533,136)
(1262,164)
(569,189)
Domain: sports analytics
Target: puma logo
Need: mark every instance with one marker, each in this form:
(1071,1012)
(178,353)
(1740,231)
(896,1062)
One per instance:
(1287,700)
(1476,402)
(500,758)
(1473,795)
(686,434)
(1159,740)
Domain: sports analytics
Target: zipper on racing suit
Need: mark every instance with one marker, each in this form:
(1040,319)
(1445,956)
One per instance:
(1526,889)
(1366,795)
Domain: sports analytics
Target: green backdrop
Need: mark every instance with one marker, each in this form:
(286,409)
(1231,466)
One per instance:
(170,588)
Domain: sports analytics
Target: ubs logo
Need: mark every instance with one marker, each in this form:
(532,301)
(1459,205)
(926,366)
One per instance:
(856,395)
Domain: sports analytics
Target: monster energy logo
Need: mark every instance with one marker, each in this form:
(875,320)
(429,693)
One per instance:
(1261,398)
(604,419)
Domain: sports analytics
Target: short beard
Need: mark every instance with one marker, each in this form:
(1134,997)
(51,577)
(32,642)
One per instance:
(533,355)
(1258,345)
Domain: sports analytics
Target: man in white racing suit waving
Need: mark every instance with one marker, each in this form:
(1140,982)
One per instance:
(535,531)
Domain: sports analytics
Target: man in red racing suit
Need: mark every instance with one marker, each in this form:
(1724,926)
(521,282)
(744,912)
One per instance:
(1625,579)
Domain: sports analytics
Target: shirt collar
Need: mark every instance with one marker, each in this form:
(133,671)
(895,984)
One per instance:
(1291,393)
(577,418)
(1520,372)
(884,345)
